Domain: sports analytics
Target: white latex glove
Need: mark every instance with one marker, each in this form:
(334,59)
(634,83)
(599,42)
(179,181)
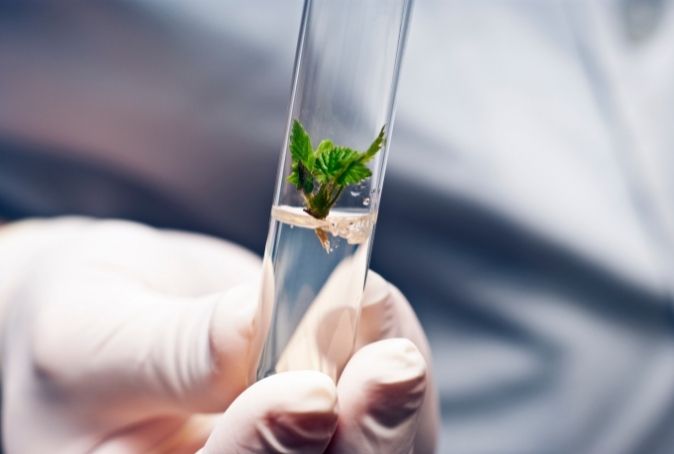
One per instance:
(118,338)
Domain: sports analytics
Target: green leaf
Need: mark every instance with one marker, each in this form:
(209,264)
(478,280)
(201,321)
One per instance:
(303,159)
(300,146)
(323,174)
(306,179)
(323,147)
(294,177)
(353,174)
(332,162)
(301,178)
(374,147)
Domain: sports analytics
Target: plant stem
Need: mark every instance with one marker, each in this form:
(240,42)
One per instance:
(336,196)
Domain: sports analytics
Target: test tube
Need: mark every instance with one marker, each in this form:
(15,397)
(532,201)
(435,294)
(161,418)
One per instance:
(344,85)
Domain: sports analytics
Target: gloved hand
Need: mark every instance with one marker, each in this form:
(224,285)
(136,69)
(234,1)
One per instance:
(118,338)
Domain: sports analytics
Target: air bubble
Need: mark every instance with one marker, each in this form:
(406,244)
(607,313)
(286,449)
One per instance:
(366,201)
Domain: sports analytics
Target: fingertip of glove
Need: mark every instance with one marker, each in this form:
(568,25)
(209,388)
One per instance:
(392,373)
(305,413)
(289,412)
(381,393)
(305,391)
(402,361)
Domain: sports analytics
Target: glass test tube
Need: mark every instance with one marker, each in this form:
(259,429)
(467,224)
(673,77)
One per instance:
(344,84)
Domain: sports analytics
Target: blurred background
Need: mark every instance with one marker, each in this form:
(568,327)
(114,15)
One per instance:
(528,210)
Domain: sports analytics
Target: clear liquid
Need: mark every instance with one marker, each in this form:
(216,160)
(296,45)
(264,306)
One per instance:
(311,289)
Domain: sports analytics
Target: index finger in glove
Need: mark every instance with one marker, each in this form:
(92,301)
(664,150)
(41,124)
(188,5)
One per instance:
(103,327)
(386,314)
